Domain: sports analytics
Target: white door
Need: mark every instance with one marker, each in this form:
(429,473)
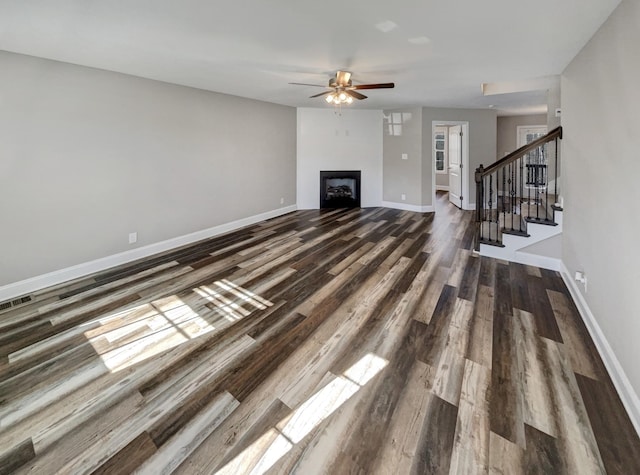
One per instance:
(455,165)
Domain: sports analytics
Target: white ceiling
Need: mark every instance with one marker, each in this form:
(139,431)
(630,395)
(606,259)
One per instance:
(254,48)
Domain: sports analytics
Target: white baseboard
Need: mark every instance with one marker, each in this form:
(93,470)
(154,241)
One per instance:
(469,206)
(442,187)
(620,380)
(507,254)
(536,260)
(408,207)
(86,268)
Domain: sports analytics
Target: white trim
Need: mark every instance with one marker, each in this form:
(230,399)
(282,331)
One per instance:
(408,207)
(537,260)
(468,206)
(620,380)
(442,187)
(465,158)
(443,129)
(86,268)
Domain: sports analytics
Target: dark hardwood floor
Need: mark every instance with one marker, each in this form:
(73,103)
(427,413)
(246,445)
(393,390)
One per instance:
(343,341)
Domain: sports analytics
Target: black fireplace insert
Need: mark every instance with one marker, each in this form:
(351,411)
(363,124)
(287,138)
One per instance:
(340,189)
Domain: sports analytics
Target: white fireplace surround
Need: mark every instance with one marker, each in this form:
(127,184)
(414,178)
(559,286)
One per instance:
(327,141)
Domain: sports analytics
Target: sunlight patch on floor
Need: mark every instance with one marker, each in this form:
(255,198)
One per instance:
(275,443)
(246,295)
(137,334)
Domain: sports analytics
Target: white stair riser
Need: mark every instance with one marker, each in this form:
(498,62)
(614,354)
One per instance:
(512,244)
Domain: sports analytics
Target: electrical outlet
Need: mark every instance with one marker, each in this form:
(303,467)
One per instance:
(582,278)
(281,201)
(133,238)
(405,156)
(403,196)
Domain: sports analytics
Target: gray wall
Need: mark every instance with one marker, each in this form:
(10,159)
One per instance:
(442,179)
(554,101)
(482,143)
(88,156)
(601,167)
(508,129)
(402,176)
(550,247)
(408,176)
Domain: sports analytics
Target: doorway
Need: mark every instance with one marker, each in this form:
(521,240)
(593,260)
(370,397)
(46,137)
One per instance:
(451,161)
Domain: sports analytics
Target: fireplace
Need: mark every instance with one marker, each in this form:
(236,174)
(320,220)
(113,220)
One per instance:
(340,189)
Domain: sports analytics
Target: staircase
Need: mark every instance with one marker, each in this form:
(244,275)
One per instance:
(517,215)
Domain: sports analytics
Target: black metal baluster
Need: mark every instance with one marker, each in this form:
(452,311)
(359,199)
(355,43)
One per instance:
(556,166)
(504,212)
(484,198)
(484,203)
(512,192)
(508,193)
(490,204)
(546,182)
(528,187)
(538,182)
(521,197)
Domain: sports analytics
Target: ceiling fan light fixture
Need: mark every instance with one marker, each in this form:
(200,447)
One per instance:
(341,89)
(339,97)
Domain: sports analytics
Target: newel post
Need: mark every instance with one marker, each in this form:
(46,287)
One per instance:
(479,192)
(479,204)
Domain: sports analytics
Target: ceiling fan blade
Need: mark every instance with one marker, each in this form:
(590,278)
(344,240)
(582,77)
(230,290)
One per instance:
(305,84)
(384,85)
(355,95)
(321,94)
(343,77)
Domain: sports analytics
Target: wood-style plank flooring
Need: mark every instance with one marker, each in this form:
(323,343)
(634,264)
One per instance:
(335,341)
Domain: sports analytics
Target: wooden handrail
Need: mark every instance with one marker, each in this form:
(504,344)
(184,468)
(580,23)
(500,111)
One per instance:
(513,156)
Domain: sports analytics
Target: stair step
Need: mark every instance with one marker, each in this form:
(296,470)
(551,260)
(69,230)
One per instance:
(546,222)
(513,221)
(515,232)
(491,243)
(535,204)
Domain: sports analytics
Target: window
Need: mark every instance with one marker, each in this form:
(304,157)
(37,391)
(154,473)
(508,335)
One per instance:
(528,133)
(440,149)
(535,160)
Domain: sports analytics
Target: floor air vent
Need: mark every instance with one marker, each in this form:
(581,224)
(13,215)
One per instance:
(14,302)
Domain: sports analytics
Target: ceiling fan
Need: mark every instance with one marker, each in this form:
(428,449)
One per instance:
(342,91)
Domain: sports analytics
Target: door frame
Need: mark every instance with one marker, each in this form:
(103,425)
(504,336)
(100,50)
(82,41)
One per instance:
(468,202)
